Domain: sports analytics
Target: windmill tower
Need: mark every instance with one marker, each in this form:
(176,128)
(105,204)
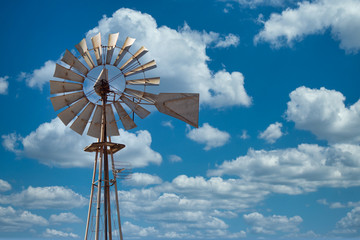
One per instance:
(89,92)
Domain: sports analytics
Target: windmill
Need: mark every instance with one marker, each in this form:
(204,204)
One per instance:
(86,98)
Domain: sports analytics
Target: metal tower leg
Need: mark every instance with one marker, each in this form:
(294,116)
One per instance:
(116,195)
(91,196)
(98,197)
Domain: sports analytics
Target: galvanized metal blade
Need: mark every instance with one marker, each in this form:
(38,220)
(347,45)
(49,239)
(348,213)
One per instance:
(146,67)
(140,111)
(149,97)
(145,81)
(73,62)
(111,126)
(59,102)
(62,87)
(141,52)
(80,123)
(96,42)
(124,49)
(95,125)
(84,52)
(126,120)
(64,73)
(70,113)
(111,46)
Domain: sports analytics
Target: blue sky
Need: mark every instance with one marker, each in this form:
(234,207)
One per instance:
(276,154)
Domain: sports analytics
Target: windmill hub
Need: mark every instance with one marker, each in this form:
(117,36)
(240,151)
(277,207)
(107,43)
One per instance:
(102,87)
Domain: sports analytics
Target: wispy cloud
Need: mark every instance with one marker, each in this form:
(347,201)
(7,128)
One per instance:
(174,158)
(4,85)
(51,233)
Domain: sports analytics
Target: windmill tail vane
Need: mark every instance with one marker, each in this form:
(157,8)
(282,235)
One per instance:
(96,95)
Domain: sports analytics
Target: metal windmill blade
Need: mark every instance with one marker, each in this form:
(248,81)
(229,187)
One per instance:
(98,95)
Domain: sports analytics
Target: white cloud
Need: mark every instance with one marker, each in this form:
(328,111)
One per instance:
(315,17)
(350,224)
(227,8)
(191,199)
(55,197)
(11,142)
(4,84)
(297,170)
(54,144)
(135,230)
(230,40)
(180,56)
(174,158)
(142,179)
(191,207)
(4,186)
(66,217)
(324,113)
(12,220)
(244,135)
(272,224)
(51,233)
(40,76)
(256,3)
(272,133)
(167,124)
(338,204)
(208,135)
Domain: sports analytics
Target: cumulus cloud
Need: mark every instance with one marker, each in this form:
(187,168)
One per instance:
(230,40)
(4,186)
(40,76)
(55,197)
(190,198)
(272,224)
(66,217)
(208,135)
(314,17)
(142,179)
(181,57)
(12,220)
(4,84)
(324,113)
(51,233)
(135,230)
(297,170)
(272,133)
(54,144)
(350,224)
(191,207)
